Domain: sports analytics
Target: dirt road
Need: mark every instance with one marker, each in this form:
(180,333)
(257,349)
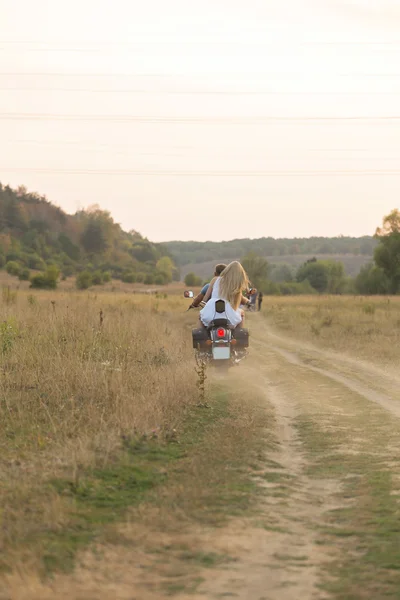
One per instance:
(328,522)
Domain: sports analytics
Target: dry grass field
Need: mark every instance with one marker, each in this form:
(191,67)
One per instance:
(79,374)
(366,327)
(99,410)
(119,481)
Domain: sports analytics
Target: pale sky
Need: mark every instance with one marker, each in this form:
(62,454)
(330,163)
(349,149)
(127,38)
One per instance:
(205,120)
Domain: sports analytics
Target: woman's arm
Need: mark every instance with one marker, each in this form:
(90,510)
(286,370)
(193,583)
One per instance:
(210,289)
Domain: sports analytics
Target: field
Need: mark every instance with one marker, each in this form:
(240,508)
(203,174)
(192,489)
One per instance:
(365,327)
(119,479)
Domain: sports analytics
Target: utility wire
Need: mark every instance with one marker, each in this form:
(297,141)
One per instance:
(271,173)
(197,92)
(194,120)
(294,75)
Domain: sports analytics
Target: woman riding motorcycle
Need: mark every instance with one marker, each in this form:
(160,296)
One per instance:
(229,286)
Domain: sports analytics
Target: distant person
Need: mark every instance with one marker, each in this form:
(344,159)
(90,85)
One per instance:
(253,299)
(260,299)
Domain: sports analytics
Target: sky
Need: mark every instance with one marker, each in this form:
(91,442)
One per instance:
(206,121)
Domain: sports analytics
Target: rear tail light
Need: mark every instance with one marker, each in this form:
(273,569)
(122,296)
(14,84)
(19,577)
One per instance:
(221,332)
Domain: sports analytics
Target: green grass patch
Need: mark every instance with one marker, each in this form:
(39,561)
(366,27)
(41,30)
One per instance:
(204,472)
(365,531)
(206,559)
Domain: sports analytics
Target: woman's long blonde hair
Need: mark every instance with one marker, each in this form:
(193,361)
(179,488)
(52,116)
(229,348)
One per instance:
(233,282)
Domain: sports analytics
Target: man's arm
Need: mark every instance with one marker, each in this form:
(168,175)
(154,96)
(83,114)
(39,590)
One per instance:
(197,300)
(200,296)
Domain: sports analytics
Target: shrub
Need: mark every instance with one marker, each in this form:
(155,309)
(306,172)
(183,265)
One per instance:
(24,274)
(8,335)
(159,279)
(35,262)
(139,277)
(13,268)
(2,261)
(316,272)
(47,280)
(149,279)
(106,276)
(39,281)
(292,289)
(191,280)
(84,280)
(97,278)
(68,270)
(128,277)
(13,256)
(369,309)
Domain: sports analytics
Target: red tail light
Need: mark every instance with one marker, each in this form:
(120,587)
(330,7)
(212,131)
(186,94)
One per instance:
(221,332)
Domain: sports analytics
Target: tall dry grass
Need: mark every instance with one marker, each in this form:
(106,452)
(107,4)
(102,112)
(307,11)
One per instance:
(78,372)
(368,327)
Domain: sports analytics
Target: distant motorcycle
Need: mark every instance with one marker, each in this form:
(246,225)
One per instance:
(220,343)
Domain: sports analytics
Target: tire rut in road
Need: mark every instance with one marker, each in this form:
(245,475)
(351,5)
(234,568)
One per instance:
(281,558)
(371,382)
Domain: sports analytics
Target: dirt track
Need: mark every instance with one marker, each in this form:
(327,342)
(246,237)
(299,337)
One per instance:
(339,395)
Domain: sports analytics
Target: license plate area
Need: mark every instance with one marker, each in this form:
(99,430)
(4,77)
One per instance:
(221,352)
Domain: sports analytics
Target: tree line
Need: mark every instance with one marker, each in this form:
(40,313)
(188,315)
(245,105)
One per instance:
(380,276)
(186,253)
(40,242)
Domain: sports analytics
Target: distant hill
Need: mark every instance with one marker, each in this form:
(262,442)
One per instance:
(34,234)
(352,263)
(200,252)
(200,257)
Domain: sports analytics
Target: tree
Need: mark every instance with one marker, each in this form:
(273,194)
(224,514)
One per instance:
(391,224)
(372,280)
(13,268)
(165,266)
(84,280)
(143,251)
(67,246)
(97,278)
(93,238)
(316,273)
(191,280)
(256,267)
(24,274)
(336,276)
(282,273)
(47,280)
(128,277)
(387,253)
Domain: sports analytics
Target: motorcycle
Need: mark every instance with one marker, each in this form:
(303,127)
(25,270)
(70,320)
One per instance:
(219,343)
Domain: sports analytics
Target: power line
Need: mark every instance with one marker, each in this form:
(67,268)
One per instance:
(118,145)
(294,75)
(194,120)
(157,173)
(220,42)
(199,92)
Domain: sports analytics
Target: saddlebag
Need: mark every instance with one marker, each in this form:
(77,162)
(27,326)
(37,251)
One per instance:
(199,336)
(242,337)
